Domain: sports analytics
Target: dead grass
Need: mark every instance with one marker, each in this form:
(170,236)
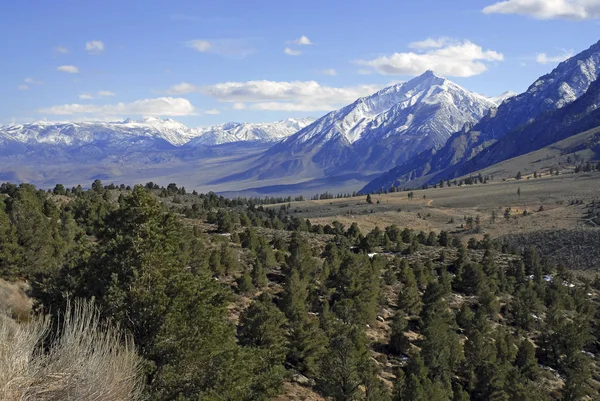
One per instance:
(84,360)
(14,299)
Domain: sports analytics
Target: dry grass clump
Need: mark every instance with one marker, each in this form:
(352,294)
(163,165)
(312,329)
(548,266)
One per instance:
(14,299)
(83,360)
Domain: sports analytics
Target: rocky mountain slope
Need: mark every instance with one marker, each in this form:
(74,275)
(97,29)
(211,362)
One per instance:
(566,83)
(375,132)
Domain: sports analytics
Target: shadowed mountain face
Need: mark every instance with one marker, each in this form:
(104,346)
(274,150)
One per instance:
(466,151)
(375,132)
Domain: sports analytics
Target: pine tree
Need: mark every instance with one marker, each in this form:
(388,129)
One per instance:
(409,299)
(9,250)
(526,360)
(342,365)
(245,284)
(399,343)
(262,325)
(259,275)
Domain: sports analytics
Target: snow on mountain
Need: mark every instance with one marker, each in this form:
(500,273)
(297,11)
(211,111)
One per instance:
(242,132)
(67,134)
(498,100)
(378,131)
(561,87)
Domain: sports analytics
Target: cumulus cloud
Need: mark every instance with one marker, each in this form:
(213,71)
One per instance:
(302,41)
(444,56)
(329,71)
(543,58)
(162,106)
(548,9)
(236,48)
(106,93)
(86,96)
(94,47)
(71,69)
(61,50)
(278,95)
(285,96)
(291,52)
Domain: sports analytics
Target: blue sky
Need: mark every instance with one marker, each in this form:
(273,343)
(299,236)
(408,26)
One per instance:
(209,62)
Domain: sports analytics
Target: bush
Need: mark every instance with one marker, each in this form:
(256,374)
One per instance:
(85,359)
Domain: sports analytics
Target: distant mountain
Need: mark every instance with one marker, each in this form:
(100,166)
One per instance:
(566,83)
(498,100)
(177,134)
(375,132)
(248,132)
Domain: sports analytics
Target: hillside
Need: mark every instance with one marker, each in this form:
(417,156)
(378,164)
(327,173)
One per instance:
(337,298)
(541,104)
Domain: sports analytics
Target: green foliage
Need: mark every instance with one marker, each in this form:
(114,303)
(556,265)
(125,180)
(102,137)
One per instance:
(409,299)
(341,367)
(399,343)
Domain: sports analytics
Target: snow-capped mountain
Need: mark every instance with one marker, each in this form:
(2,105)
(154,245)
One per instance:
(73,134)
(80,133)
(498,100)
(378,131)
(566,83)
(247,132)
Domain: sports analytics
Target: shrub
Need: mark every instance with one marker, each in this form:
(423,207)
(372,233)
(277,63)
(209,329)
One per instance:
(83,359)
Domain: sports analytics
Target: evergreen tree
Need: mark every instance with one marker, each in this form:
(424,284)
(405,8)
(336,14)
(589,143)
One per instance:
(526,361)
(341,367)
(399,343)
(245,284)
(259,275)
(262,326)
(409,299)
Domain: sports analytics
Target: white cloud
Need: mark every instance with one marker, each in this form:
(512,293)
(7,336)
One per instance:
(181,89)
(329,71)
(61,50)
(454,58)
(202,46)
(302,41)
(22,87)
(286,96)
(364,72)
(292,52)
(33,81)
(543,58)
(430,43)
(236,48)
(94,47)
(212,111)
(548,9)
(88,96)
(162,106)
(71,69)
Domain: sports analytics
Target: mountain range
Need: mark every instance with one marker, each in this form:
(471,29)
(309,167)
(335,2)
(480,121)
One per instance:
(406,135)
(504,132)
(72,134)
(374,133)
